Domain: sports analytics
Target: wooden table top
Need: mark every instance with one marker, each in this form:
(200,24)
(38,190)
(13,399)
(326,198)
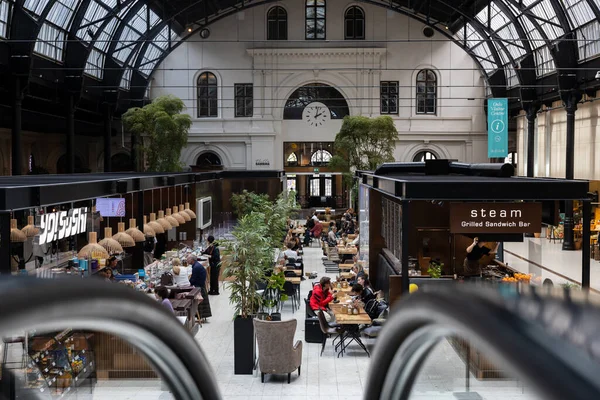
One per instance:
(346,267)
(298,231)
(347,250)
(295,281)
(346,275)
(349,319)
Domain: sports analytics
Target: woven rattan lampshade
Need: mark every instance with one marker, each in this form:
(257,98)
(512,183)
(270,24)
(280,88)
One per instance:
(93,249)
(124,239)
(156,227)
(110,244)
(134,232)
(16,236)
(180,218)
(189,211)
(148,231)
(163,221)
(169,217)
(30,230)
(181,211)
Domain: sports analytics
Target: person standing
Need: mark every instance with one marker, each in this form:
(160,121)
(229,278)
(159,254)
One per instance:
(215,264)
(198,279)
(475,252)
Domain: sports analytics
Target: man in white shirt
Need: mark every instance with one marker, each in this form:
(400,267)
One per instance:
(315,218)
(356,240)
(289,253)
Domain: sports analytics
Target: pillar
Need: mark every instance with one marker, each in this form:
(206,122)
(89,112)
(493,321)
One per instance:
(585,254)
(570,107)
(107,138)
(5,246)
(531,116)
(17,165)
(71,136)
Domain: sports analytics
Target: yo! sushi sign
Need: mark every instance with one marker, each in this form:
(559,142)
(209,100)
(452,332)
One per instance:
(62,224)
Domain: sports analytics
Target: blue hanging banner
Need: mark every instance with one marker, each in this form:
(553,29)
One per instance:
(497,128)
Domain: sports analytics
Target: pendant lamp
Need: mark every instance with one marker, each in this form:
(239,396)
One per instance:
(30,230)
(134,232)
(163,221)
(16,236)
(185,215)
(155,225)
(124,239)
(110,244)
(93,249)
(169,217)
(148,231)
(189,211)
(177,215)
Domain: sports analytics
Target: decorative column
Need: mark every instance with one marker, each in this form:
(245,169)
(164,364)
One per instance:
(570,106)
(531,116)
(107,139)
(70,136)
(17,166)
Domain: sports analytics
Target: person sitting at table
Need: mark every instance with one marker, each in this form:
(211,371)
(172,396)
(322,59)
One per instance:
(364,281)
(356,240)
(356,271)
(332,236)
(289,253)
(321,297)
(296,244)
(315,232)
(162,294)
(180,274)
(365,294)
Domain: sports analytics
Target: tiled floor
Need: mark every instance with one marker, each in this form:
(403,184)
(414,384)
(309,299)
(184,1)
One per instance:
(324,377)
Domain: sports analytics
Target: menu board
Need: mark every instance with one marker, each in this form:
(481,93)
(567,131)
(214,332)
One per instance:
(111,207)
(391,226)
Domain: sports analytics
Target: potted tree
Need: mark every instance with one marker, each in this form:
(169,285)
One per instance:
(249,255)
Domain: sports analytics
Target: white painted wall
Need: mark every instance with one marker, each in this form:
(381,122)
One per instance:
(551,141)
(394,49)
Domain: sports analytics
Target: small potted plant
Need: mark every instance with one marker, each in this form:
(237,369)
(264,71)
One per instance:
(435,269)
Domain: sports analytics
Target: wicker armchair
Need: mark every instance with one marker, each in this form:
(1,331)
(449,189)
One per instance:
(276,352)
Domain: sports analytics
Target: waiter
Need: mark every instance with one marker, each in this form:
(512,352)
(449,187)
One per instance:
(474,254)
(215,264)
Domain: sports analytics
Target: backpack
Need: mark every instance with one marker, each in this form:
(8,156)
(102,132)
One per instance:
(375,308)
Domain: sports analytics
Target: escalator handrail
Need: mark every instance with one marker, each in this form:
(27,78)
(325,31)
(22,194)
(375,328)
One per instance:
(30,304)
(549,342)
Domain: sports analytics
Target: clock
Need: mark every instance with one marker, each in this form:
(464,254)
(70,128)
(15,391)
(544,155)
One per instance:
(316,114)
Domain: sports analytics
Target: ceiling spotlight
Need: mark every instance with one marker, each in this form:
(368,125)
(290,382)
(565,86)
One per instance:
(189,29)
(447,27)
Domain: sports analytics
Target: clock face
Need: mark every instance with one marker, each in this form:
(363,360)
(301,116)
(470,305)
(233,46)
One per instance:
(316,114)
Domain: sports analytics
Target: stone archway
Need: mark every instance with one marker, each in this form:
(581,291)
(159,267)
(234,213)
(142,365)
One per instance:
(208,161)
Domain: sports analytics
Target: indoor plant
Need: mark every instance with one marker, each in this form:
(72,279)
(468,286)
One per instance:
(249,255)
(435,269)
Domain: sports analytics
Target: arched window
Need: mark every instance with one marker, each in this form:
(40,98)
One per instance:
(292,159)
(209,160)
(354,23)
(315,19)
(277,24)
(207,95)
(426,92)
(316,92)
(320,157)
(424,155)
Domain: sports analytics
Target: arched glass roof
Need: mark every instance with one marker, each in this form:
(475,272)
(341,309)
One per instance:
(136,35)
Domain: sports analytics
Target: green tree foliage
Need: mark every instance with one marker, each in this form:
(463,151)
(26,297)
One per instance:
(245,202)
(165,131)
(363,144)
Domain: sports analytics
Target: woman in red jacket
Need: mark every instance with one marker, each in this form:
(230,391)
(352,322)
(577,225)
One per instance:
(321,297)
(315,232)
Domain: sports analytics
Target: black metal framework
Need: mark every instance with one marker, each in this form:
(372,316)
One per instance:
(426,86)
(207,95)
(316,92)
(354,23)
(277,23)
(244,99)
(315,22)
(389,97)
(209,159)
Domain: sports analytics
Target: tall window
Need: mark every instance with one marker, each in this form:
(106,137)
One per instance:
(243,99)
(277,24)
(207,95)
(426,92)
(292,160)
(315,19)
(354,23)
(389,97)
(424,155)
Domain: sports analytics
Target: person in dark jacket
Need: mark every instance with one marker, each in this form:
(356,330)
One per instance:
(215,264)
(321,297)
(198,279)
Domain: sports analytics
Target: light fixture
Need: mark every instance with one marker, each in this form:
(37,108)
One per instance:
(30,230)
(156,226)
(110,244)
(93,249)
(180,218)
(124,239)
(148,230)
(16,236)
(169,217)
(189,211)
(134,232)
(163,221)
(184,214)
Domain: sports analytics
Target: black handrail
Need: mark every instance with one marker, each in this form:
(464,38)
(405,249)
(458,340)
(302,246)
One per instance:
(87,304)
(550,342)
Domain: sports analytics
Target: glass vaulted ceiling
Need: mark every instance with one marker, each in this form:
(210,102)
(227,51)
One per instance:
(498,37)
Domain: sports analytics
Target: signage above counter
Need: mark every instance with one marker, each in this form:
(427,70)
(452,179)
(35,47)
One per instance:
(62,224)
(495,217)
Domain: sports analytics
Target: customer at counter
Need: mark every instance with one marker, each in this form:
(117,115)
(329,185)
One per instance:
(162,294)
(180,274)
(215,264)
(475,252)
(198,278)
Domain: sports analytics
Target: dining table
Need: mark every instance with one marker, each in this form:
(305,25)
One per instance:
(346,267)
(351,324)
